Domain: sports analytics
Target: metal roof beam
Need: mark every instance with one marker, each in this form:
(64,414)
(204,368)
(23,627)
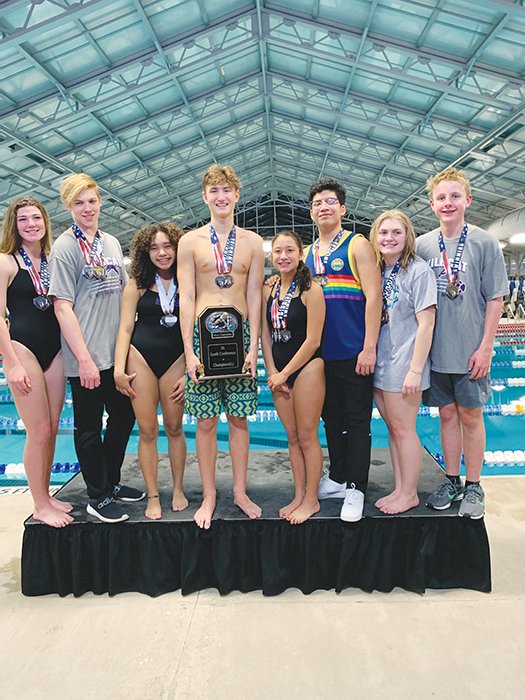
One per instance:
(59,165)
(483,143)
(172,77)
(451,60)
(348,85)
(264,65)
(76,10)
(143,57)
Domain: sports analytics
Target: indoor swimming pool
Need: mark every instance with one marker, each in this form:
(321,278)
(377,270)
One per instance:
(504,420)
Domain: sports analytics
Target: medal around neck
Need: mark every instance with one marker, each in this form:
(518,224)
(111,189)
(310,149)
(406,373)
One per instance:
(42,303)
(321,280)
(224,281)
(452,291)
(168,321)
(221,343)
(99,272)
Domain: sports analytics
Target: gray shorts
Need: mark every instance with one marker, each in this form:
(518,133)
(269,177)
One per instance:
(457,388)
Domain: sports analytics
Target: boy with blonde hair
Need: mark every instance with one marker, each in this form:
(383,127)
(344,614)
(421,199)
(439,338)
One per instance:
(87,277)
(471,281)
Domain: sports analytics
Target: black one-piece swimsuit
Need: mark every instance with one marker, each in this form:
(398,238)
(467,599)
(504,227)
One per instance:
(158,345)
(35,329)
(296,323)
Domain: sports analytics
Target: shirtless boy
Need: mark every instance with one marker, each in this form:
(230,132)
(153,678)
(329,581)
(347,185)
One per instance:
(199,278)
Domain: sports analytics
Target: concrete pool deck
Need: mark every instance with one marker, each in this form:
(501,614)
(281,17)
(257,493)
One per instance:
(444,644)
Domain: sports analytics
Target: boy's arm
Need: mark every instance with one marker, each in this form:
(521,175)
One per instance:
(128,310)
(370,278)
(479,363)
(253,302)
(186,278)
(70,329)
(62,290)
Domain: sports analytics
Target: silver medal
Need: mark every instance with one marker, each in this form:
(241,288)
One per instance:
(224,281)
(42,303)
(168,321)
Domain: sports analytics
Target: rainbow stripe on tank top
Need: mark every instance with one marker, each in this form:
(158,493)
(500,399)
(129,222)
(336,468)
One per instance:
(344,329)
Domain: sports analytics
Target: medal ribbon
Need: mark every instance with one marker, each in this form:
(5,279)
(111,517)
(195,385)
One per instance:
(452,272)
(320,263)
(40,281)
(388,284)
(279,313)
(166,298)
(92,254)
(223,261)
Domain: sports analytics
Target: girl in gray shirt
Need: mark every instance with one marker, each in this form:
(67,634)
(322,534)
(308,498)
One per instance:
(402,367)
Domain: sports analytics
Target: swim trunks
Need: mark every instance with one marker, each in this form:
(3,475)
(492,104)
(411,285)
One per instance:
(236,396)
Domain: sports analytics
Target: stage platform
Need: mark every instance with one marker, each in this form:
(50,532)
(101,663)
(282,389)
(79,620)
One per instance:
(416,550)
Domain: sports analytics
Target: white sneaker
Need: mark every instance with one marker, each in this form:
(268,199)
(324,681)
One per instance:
(328,488)
(352,509)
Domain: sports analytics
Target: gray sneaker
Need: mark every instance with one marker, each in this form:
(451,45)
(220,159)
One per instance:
(446,494)
(473,505)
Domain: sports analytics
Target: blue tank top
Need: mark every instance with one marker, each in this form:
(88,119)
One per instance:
(344,327)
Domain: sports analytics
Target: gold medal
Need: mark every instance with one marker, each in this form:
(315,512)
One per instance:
(451,291)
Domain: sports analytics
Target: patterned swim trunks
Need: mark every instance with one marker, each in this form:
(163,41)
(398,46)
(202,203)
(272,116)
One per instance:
(236,396)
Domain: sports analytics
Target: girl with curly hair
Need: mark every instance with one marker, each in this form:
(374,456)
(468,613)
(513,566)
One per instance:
(149,357)
(30,347)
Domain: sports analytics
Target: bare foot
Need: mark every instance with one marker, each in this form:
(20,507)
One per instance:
(286,511)
(52,516)
(400,505)
(385,499)
(204,514)
(247,506)
(63,506)
(180,502)
(153,509)
(305,511)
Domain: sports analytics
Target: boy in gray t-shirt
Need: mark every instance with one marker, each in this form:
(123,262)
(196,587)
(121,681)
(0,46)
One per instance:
(87,275)
(471,281)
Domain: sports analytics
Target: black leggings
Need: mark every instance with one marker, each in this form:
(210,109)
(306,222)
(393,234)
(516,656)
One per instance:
(101,458)
(347,412)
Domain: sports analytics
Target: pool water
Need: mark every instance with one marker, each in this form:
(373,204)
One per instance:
(504,421)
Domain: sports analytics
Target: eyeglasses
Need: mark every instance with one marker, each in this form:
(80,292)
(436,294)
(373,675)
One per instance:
(327,200)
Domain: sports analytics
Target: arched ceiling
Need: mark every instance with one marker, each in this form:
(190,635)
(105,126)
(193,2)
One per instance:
(145,94)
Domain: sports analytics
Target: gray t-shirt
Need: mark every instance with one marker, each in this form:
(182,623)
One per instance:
(96,303)
(414,290)
(481,278)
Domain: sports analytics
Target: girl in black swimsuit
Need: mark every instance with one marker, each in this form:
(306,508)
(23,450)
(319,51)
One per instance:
(292,326)
(149,357)
(31,347)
